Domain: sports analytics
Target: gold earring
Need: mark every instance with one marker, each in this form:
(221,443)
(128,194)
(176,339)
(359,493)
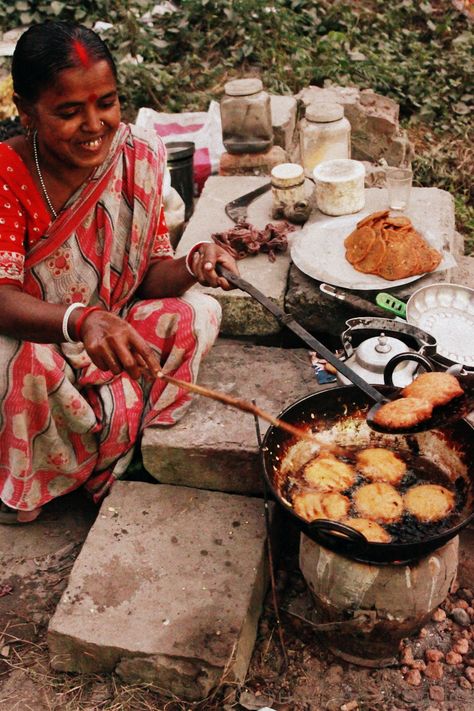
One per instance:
(28,131)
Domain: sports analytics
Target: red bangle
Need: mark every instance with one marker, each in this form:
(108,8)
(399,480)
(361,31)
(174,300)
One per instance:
(84,314)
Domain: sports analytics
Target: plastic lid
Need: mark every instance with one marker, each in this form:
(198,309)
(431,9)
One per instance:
(320,112)
(287,174)
(338,170)
(243,87)
(176,150)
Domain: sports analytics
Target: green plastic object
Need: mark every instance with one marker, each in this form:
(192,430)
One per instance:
(390,303)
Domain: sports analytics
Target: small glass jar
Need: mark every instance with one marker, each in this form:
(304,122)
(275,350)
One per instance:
(246,117)
(290,200)
(339,186)
(325,134)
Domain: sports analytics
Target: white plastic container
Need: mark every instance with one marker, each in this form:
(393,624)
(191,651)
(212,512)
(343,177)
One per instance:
(339,186)
(325,134)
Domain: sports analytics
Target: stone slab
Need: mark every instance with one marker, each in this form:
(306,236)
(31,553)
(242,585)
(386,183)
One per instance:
(242,315)
(255,164)
(215,446)
(167,589)
(320,313)
(284,110)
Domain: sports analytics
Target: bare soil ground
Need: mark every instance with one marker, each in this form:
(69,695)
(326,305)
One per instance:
(34,565)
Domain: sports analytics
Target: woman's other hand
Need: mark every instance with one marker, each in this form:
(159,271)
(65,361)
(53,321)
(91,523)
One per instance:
(112,344)
(203,265)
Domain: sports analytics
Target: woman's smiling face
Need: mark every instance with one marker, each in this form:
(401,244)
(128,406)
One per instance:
(77,117)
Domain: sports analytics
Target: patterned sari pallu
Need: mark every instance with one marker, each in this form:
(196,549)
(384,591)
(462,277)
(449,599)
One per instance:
(64,422)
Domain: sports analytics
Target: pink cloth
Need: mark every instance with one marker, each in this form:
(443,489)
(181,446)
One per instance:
(64,422)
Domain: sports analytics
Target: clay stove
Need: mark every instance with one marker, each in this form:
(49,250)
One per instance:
(375,605)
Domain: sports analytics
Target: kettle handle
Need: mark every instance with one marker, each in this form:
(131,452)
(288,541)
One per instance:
(399,358)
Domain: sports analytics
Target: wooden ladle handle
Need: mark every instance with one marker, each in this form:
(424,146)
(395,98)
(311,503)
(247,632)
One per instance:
(243,405)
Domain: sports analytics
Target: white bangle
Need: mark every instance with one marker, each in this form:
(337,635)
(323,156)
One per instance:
(67,313)
(190,254)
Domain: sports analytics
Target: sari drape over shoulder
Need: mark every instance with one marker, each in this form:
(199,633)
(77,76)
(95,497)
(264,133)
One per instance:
(64,422)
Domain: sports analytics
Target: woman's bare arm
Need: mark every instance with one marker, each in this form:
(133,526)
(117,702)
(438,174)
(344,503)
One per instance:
(171,278)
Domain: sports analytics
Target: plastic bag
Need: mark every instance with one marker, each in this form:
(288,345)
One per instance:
(202,127)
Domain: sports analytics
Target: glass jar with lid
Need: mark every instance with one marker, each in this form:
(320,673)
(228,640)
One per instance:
(325,134)
(290,198)
(246,117)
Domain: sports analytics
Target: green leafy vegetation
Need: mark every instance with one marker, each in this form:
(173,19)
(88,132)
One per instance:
(418,53)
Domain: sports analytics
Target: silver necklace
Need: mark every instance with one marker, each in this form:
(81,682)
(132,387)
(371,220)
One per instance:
(43,186)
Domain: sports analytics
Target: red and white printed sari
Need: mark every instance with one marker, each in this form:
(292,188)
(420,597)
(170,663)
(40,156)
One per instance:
(64,422)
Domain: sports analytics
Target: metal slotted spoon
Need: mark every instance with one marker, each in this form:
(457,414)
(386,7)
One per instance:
(441,416)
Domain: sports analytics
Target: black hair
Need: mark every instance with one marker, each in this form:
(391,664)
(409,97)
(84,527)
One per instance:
(46,49)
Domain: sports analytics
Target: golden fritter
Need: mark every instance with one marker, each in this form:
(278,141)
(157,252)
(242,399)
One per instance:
(429,502)
(436,388)
(358,244)
(381,465)
(373,218)
(378,502)
(372,259)
(372,531)
(405,412)
(327,473)
(389,247)
(311,505)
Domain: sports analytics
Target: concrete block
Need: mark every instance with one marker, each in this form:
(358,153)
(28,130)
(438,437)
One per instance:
(284,121)
(241,315)
(464,272)
(251,163)
(215,446)
(319,313)
(167,590)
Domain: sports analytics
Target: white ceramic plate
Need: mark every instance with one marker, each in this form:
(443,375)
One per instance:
(446,311)
(318,250)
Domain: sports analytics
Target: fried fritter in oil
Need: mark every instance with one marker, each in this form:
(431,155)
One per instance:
(378,502)
(327,473)
(429,502)
(311,505)
(381,465)
(371,530)
(437,388)
(405,412)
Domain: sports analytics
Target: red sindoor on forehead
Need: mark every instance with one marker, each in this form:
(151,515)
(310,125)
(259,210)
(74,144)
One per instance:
(81,53)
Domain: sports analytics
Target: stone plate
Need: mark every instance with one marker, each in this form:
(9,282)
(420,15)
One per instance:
(318,251)
(446,311)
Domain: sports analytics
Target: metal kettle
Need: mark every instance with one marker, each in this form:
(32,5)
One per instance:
(371,342)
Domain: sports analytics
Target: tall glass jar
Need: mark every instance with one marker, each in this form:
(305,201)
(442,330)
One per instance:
(246,117)
(325,134)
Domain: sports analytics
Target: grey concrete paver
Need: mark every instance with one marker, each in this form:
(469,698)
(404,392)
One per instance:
(167,589)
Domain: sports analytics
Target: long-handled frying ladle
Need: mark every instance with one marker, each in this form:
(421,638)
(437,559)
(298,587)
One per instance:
(441,416)
(244,405)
